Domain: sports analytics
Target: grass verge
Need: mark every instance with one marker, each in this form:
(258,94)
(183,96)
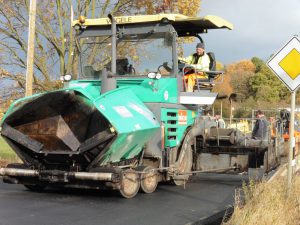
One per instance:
(6,153)
(268,204)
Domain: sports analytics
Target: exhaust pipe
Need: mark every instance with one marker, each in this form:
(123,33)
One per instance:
(113,44)
(108,81)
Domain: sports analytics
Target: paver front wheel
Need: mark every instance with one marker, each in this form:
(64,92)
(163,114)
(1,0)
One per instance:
(130,184)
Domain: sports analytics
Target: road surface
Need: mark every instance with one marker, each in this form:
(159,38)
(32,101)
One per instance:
(204,195)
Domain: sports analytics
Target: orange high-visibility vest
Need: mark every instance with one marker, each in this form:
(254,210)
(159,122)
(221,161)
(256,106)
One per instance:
(190,80)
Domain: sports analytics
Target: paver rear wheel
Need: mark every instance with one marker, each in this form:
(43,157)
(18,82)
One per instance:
(149,179)
(130,184)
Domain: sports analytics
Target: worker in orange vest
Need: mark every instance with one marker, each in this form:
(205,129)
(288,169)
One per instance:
(197,61)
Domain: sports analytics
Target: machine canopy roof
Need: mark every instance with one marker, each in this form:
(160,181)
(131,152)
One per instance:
(184,25)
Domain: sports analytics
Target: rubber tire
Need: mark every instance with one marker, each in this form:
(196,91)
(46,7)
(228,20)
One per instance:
(130,184)
(149,181)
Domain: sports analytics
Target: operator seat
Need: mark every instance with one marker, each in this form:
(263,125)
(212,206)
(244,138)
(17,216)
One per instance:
(206,83)
(212,66)
(212,59)
(122,66)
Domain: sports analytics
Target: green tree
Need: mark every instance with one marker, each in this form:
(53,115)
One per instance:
(264,85)
(240,84)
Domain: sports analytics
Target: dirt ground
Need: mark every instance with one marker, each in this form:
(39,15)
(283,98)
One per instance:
(3,163)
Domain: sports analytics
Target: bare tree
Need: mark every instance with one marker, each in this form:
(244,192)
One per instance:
(54,47)
(54,51)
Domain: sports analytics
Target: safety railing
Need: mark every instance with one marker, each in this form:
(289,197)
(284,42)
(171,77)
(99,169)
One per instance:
(244,125)
(200,79)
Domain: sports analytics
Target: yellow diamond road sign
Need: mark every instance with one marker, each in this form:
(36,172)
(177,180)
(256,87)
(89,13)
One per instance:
(286,64)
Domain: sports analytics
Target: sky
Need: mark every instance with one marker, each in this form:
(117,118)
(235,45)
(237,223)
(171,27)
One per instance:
(261,27)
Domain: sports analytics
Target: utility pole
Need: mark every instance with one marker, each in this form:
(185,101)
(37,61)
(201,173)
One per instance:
(30,48)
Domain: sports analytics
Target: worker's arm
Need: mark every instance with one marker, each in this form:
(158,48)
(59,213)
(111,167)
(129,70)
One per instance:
(187,60)
(203,63)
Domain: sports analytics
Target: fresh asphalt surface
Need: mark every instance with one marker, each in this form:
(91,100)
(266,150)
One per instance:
(203,196)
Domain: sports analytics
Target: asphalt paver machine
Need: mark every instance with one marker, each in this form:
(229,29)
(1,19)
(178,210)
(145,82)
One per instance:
(127,123)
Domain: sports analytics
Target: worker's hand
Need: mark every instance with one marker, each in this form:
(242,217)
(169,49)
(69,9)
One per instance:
(200,73)
(181,60)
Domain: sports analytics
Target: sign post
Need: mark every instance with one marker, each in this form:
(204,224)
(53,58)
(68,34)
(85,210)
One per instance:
(286,65)
(292,141)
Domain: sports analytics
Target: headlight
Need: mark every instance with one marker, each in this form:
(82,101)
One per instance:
(66,77)
(151,75)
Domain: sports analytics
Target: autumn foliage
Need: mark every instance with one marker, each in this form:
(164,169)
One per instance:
(255,87)
(184,7)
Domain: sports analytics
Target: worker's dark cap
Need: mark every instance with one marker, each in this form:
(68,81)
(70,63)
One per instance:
(200,45)
(259,112)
